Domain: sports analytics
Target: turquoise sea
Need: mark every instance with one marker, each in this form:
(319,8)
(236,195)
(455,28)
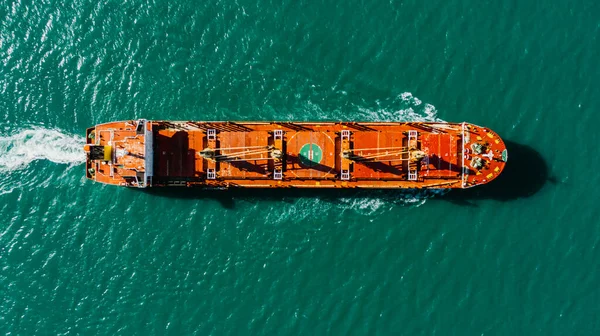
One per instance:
(517,257)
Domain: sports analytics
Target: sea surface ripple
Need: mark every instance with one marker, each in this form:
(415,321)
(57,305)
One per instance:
(83,258)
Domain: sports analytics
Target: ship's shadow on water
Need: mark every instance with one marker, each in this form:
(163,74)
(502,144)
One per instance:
(524,175)
(526,172)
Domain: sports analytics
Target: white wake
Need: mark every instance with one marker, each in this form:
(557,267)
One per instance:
(19,149)
(403,108)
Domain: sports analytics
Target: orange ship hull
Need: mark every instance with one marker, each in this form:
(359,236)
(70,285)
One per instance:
(404,155)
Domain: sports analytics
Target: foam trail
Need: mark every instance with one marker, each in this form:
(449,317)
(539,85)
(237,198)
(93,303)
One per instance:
(19,149)
(403,108)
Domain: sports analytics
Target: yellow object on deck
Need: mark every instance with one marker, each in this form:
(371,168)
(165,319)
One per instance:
(107,153)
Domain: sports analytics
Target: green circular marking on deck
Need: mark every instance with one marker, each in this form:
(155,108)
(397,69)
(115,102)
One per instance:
(310,154)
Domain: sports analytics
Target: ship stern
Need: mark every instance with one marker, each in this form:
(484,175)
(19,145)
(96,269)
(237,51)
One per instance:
(120,153)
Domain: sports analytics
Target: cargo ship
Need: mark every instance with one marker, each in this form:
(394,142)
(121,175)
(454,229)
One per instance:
(220,155)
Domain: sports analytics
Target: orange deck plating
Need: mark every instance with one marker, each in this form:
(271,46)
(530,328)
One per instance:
(141,153)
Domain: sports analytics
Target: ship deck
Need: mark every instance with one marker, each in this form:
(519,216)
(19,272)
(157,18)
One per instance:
(312,153)
(283,154)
